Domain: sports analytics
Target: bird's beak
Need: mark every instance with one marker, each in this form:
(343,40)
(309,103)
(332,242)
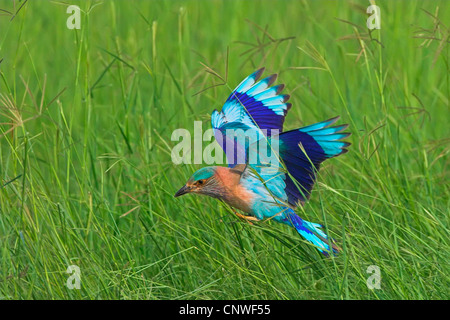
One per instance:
(185,189)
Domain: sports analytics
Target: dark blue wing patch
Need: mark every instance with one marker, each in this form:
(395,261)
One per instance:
(303,150)
(256,104)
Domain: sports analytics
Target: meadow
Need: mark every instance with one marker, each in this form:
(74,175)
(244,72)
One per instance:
(87,178)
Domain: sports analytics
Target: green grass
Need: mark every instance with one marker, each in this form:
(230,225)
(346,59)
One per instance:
(86,122)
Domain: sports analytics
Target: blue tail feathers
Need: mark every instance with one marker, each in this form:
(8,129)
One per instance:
(313,233)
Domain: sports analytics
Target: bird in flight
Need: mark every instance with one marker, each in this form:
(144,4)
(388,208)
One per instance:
(268,187)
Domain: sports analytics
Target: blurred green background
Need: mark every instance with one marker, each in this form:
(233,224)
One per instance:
(86,118)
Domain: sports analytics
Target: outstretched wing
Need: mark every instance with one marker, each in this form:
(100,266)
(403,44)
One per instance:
(301,151)
(253,106)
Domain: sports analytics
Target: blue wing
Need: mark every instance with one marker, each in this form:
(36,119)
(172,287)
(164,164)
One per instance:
(252,105)
(290,177)
(303,150)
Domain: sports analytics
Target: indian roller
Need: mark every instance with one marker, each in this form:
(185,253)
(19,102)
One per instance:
(261,191)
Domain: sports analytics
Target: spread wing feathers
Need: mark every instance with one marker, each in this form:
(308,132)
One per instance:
(303,150)
(252,105)
(256,104)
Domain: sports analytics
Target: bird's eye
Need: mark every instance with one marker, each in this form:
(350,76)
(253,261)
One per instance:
(200,182)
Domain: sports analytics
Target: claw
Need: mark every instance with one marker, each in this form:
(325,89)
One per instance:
(247,218)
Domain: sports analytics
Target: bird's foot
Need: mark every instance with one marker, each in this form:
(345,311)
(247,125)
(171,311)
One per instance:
(247,218)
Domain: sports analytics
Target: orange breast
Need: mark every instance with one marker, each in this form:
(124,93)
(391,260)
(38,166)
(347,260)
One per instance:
(235,194)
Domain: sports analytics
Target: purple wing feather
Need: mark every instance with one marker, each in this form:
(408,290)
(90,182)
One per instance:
(252,105)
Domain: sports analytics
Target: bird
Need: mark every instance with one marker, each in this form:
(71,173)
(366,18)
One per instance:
(261,190)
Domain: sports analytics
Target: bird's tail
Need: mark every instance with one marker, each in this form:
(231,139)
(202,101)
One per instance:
(313,232)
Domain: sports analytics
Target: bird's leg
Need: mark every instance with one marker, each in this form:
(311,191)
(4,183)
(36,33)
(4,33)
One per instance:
(248,218)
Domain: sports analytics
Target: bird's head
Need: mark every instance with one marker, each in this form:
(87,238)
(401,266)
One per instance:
(203,181)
